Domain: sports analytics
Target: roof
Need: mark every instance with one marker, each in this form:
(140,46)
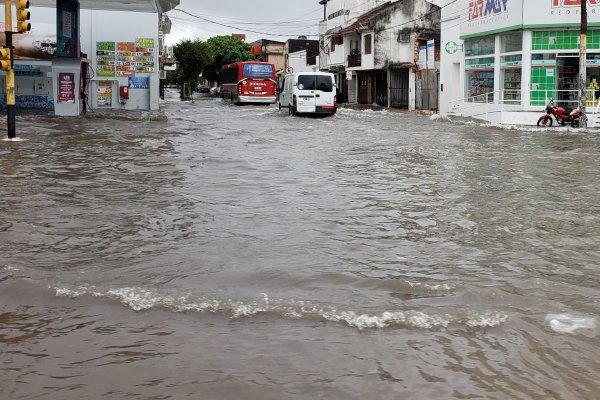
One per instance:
(363,21)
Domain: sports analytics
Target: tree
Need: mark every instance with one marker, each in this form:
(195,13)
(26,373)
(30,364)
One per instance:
(192,58)
(227,50)
(172,77)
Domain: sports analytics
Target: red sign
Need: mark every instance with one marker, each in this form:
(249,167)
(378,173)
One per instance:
(573,3)
(66,87)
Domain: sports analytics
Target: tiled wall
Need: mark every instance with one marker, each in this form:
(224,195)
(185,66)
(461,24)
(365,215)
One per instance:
(541,81)
(563,40)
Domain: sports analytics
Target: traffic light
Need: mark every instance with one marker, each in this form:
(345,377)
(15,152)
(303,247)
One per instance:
(23,16)
(5,63)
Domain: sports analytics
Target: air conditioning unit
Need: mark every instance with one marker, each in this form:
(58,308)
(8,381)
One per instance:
(403,37)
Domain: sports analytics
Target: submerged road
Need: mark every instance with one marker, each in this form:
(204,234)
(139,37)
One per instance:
(231,252)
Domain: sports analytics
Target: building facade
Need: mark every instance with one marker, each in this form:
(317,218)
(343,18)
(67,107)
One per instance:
(301,55)
(77,59)
(503,59)
(375,48)
(270,51)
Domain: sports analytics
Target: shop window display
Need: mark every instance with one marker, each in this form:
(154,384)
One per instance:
(480,79)
(511,78)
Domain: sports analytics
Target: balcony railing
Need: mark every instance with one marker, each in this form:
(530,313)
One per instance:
(354,60)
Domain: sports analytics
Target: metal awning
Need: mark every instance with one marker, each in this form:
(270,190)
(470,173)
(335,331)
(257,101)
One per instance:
(157,6)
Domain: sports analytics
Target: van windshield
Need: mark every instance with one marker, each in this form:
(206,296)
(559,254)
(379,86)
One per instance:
(324,83)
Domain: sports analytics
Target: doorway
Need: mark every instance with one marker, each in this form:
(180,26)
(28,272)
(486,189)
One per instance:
(365,88)
(381,89)
(567,78)
(399,88)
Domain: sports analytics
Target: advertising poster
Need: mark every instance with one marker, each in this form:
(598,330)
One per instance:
(139,83)
(431,54)
(104,94)
(40,42)
(492,15)
(67,29)
(558,12)
(422,57)
(105,59)
(66,87)
(125,59)
(144,55)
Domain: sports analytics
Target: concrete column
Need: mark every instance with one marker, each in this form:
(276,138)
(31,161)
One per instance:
(526,71)
(498,85)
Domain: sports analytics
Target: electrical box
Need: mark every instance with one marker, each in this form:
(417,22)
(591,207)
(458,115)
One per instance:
(124,92)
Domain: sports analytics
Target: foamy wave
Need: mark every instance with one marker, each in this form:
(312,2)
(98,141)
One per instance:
(565,323)
(441,287)
(414,319)
(140,299)
(487,320)
(8,268)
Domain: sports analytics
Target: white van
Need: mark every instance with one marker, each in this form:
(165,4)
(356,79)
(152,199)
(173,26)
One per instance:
(309,92)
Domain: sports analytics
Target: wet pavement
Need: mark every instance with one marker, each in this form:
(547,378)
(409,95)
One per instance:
(219,252)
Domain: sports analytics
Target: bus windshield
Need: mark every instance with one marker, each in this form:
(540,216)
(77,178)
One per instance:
(258,71)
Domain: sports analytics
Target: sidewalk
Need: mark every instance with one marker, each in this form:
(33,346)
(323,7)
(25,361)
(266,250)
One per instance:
(376,107)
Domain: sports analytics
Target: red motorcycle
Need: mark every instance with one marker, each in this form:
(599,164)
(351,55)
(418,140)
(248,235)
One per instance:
(561,115)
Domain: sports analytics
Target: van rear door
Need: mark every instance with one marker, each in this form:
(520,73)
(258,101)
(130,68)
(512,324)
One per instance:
(305,95)
(324,93)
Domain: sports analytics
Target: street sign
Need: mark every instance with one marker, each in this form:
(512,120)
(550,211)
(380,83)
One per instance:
(451,47)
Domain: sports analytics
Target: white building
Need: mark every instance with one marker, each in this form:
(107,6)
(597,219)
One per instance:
(374,46)
(501,60)
(76,58)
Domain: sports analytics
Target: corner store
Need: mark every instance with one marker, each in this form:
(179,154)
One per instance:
(511,55)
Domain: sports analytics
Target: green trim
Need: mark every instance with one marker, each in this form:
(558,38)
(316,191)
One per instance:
(524,27)
(509,28)
(544,26)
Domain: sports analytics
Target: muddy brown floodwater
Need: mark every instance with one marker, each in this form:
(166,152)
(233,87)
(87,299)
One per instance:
(241,253)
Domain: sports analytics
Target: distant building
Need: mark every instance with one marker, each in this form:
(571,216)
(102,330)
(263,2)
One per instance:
(270,51)
(239,36)
(301,55)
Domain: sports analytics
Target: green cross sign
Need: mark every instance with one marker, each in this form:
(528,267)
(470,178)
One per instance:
(451,47)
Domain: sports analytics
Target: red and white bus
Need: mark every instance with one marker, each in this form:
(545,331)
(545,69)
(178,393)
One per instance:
(249,82)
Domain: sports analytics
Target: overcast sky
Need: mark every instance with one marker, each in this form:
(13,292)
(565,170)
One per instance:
(269,19)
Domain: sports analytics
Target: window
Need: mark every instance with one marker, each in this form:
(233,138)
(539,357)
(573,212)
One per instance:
(229,75)
(480,79)
(368,39)
(324,83)
(511,42)
(258,70)
(306,82)
(480,46)
(511,76)
(336,41)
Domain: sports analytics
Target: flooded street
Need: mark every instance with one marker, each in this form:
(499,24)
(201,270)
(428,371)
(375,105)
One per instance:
(231,252)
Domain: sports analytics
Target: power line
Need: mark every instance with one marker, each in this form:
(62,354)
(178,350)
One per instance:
(237,27)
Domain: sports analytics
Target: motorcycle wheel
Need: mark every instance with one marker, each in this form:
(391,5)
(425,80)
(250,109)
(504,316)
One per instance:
(575,123)
(547,122)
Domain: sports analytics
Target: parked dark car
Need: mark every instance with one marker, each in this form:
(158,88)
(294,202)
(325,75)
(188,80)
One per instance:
(203,89)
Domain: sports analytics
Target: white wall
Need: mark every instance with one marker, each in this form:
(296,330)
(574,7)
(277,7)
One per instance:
(367,60)
(117,26)
(387,48)
(297,61)
(451,65)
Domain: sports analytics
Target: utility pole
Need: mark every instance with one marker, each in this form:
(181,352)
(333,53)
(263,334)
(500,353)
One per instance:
(10,72)
(583,65)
